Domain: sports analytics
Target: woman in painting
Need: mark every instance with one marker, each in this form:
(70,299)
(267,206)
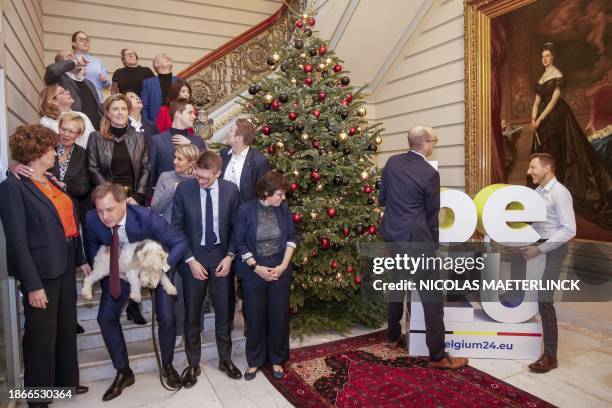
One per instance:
(556,131)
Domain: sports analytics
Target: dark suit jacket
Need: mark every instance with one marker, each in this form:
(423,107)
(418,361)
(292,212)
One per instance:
(56,74)
(151,96)
(245,237)
(410,192)
(255,166)
(161,153)
(141,223)
(187,213)
(36,245)
(77,175)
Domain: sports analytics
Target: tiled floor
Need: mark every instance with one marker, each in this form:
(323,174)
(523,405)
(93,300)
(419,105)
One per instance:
(583,379)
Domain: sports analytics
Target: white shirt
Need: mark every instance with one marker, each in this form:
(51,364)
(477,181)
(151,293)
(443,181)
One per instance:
(123,238)
(53,124)
(560,224)
(233,172)
(214,193)
(136,124)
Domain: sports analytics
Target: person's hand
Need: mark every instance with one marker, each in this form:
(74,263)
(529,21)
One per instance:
(130,200)
(38,299)
(60,184)
(85,269)
(101,77)
(265,273)
(18,169)
(224,267)
(180,140)
(531,252)
(81,61)
(278,271)
(197,270)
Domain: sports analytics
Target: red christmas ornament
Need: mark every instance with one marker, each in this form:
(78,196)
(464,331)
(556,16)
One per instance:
(322,96)
(322,50)
(308,68)
(311,21)
(324,243)
(292,115)
(372,229)
(352,131)
(337,68)
(308,81)
(331,212)
(314,253)
(346,231)
(299,24)
(349,97)
(350,269)
(271,149)
(315,176)
(316,113)
(316,144)
(333,264)
(358,280)
(343,102)
(368,189)
(276,105)
(294,186)
(297,218)
(266,130)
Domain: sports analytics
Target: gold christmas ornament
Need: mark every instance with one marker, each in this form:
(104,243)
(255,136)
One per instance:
(304,137)
(314,216)
(319,187)
(275,57)
(328,61)
(268,98)
(359,129)
(303,55)
(361,160)
(361,111)
(301,66)
(305,260)
(343,137)
(296,173)
(321,67)
(305,16)
(293,81)
(364,175)
(377,140)
(280,145)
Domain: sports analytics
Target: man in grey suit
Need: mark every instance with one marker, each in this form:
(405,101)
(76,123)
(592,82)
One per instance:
(410,192)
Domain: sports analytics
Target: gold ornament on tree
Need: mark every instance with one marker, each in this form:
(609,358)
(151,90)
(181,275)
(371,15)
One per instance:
(314,216)
(328,61)
(275,57)
(293,81)
(296,173)
(319,187)
(364,175)
(268,98)
(377,140)
(343,137)
(304,137)
(280,145)
(321,67)
(361,111)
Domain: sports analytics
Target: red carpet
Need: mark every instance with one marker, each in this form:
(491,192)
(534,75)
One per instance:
(364,372)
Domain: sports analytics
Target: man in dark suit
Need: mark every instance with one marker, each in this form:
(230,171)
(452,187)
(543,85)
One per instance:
(204,209)
(69,72)
(155,89)
(114,223)
(162,145)
(410,192)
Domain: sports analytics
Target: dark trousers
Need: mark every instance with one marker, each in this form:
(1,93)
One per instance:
(49,342)
(267,315)
(395,312)
(433,311)
(108,319)
(194,293)
(546,306)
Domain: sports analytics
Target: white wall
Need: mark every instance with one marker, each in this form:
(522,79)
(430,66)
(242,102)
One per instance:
(425,86)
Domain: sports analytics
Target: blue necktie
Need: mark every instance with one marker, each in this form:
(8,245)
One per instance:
(210,237)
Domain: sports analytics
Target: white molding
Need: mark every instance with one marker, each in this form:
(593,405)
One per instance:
(399,46)
(344,22)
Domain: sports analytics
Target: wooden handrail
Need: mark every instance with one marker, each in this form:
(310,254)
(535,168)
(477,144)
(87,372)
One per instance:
(234,43)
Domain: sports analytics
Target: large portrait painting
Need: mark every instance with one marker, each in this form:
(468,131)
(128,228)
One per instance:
(539,79)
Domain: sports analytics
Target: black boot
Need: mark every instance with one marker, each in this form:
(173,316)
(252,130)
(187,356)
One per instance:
(124,379)
(133,313)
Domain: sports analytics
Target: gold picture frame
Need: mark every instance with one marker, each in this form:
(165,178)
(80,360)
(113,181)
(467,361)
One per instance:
(477,35)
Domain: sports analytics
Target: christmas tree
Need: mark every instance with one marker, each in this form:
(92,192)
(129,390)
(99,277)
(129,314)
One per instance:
(311,125)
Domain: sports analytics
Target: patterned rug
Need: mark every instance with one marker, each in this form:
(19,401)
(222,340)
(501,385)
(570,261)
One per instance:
(363,372)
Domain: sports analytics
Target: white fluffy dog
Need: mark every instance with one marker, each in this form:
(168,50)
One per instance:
(142,264)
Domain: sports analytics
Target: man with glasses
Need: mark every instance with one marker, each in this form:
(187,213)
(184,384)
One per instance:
(68,71)
(410,192)
(204,209)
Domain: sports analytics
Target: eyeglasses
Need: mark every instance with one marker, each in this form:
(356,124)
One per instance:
(434,141)
(279,194)
(68,131)
(83,40)
(129,54)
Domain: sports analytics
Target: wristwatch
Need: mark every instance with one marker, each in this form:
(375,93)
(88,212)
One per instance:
(253,266)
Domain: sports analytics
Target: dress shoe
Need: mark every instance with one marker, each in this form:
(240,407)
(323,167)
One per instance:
(190,376)
(173,379)
(230,369)
(81,389)
(543,364)
(449,363)
(400,343)
(249,375)
(123,379)
(80,329)
(133,313)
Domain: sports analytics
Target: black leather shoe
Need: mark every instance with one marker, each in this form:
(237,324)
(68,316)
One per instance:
(81,389)
(230,369)
(190,376)
(122,380)
(133,313)
(173,379)
(80,329)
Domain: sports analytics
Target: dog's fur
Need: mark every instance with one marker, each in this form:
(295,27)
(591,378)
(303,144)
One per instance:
(142,264)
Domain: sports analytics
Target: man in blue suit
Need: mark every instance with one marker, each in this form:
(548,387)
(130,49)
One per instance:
(204,209)
(410,192)
(162,145)
(113,223)
(155,89)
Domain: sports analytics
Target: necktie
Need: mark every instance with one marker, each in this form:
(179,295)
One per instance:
(115,286)
(210,237)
